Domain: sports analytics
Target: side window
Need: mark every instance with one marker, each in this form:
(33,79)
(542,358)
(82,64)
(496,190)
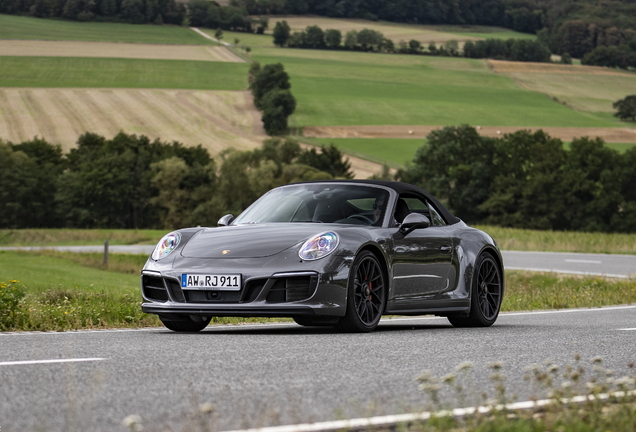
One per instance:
(436,219)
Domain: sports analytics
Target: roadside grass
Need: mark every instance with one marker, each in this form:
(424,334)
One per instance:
(542,291)
(561,241)
(28,28)
(582,396)
(345,88)
(123,73)
(78,237)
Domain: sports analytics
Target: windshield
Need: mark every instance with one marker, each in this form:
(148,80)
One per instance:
(320,203)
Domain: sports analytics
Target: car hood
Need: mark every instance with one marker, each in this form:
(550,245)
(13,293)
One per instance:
(248,241)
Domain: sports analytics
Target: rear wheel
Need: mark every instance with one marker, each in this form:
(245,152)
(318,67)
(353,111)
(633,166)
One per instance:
(487,293)
(189,325)
(366,295)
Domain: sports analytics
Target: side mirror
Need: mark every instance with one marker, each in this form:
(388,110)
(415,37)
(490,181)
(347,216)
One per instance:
(414,221)
(225,220)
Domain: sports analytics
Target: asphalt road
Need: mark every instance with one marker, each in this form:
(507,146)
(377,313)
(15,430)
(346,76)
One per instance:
(260,375)
(619,266)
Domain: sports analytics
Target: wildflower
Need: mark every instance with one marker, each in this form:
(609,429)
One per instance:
(133,422)
(206,408)
(464,366)
(496,366)
(449,379)
(597,360)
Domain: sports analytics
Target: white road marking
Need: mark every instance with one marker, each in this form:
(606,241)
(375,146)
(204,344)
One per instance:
(32,362)
(628,329)
(583,261)
(393,420)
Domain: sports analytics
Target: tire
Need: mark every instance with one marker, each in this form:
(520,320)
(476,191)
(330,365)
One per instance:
(315,322)
(189,326)
(366,295)
(486,295)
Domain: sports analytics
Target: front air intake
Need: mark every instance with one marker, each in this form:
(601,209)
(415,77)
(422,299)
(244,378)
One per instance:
(153,288)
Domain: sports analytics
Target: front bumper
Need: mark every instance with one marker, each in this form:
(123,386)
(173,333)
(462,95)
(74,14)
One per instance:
(305,288)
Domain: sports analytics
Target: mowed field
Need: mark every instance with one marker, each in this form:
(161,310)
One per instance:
(27,28)
(344,88)
(215,119)
(401,32)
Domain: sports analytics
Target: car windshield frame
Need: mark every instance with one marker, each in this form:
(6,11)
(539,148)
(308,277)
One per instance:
(328,202)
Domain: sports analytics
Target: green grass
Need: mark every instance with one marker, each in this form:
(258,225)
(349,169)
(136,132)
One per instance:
(561,241)
(78,237)
(478,31)
(344,88)
(619,147)
(122,73)
(27,28)
(393,151)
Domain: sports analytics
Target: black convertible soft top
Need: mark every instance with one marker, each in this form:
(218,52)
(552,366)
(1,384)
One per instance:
(401,188)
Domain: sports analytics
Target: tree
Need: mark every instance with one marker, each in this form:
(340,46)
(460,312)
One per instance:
(274,120)
(218,34)
(333,38)
(626,108)
(281,33)
(314,37)
(272,76)
(330,160)
(369,39)
(415,46)
(351,39)
(280,98)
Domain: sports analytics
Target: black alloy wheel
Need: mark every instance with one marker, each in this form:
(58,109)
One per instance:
(487,294)
(366,296)
(188,326)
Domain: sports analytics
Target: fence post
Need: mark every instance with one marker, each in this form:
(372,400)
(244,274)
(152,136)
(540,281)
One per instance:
(106,252)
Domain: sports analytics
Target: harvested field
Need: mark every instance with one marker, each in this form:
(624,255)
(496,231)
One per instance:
(393,31)
(583,88)
(116,50)
(505,67)
(215,119)
(622,135)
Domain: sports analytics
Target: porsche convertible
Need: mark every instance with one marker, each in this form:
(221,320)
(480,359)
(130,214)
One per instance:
(337,253)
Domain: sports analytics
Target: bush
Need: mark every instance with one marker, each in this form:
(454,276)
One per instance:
(626,108)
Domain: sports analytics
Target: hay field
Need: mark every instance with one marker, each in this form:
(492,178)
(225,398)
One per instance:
(397,31)
(28,48)
(583,88)
(215,119)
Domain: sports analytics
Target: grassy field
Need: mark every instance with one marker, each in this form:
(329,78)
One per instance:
(561,241)
(18,27)
(78,237)
(343,88)
(245,39)
(122,73)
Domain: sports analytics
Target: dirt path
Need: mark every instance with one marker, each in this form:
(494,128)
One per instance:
(622,135)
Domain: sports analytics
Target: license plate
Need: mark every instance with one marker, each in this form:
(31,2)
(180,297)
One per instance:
(225,282)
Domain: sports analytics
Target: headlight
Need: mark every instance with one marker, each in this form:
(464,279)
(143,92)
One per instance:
(167,244)
(319,246)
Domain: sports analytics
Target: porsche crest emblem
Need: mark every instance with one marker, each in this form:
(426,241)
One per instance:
(225,251)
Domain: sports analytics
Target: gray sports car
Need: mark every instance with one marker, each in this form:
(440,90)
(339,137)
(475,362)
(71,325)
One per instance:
(330,253)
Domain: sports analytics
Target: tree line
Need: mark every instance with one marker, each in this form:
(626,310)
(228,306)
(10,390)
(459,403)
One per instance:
(370,40)
(575,27)
(270,88)
(528,180)
(131,182)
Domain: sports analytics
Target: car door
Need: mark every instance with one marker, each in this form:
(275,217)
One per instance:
(422,259)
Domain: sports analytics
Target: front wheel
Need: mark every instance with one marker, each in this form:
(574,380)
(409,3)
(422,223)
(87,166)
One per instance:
(188,326)
(366,295)
(486,293)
